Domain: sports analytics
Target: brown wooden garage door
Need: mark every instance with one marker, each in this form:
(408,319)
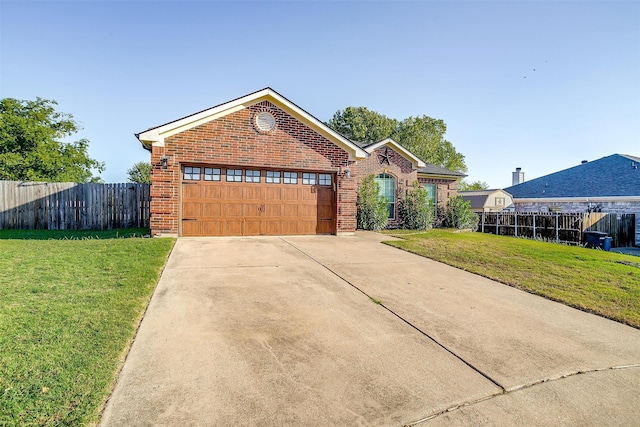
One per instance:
(219,201)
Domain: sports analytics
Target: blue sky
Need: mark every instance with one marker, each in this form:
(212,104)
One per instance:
(536,85)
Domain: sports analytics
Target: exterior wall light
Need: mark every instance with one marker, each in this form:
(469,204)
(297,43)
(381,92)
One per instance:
(164,162)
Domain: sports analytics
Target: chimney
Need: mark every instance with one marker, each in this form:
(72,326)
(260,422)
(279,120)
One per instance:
(517,177)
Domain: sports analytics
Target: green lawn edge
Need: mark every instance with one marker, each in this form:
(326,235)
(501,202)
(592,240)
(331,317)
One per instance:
(70,306)
(599,282)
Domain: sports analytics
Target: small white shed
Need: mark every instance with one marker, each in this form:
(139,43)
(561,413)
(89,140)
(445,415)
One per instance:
(488,200)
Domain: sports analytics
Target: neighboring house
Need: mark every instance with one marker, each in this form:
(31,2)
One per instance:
(610,184)
(261,165)
(488,200)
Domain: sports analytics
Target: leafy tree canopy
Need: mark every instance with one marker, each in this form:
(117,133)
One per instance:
(472,186)
(31,146)
(423,136)
(140,172)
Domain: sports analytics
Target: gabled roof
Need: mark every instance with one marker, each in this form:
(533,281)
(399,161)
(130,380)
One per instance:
(156,135)
(617,175)
(417,163)
(478,198)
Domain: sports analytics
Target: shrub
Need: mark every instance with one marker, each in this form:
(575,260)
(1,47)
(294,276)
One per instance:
(372,208)
(416,209)
(458,214)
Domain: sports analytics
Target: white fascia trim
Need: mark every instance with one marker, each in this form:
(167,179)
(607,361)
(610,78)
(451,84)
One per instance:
(157,135)
(355,152)
(417,163)
(578,199)
(433,175)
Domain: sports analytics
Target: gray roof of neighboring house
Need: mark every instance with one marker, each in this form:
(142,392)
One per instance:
(477,198)
(609,176)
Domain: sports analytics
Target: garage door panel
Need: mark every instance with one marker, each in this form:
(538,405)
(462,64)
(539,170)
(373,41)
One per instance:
(213,192)
(308,194)
(212,228)
(191,210)
(234,193)
(191,191)
(307,227)
(233,210)
(290,194)
(233,227)
(253,192)
(273,211)
(221,208)
(253,210)
(191,228)
(290,210)
(273,227)
(273,193)
(309,211)
(252,227)
(210,210)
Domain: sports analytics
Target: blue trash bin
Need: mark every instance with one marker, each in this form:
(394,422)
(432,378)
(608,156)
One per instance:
(593,238)
(606,243)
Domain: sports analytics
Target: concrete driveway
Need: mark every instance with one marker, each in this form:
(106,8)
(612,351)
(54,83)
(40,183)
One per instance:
(344,331)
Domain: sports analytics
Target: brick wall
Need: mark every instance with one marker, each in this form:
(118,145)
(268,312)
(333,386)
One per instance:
(233,140)
(399,167)
(445,189)
(606,207)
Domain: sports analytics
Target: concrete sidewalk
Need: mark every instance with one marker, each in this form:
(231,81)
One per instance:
(289,331)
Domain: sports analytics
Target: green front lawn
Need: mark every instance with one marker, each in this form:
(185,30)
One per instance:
(69,306)
(596,281)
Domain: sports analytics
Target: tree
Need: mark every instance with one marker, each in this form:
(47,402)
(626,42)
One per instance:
(372,213)
(362,125)
(140,172)
(473,186)
(31,146)
(416,210)
(423,136)
(458,214)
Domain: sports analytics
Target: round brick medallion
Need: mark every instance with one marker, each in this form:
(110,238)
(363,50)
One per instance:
(265,122)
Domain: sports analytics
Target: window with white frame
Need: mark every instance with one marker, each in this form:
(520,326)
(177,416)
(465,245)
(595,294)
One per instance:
(234,175)
(387,184)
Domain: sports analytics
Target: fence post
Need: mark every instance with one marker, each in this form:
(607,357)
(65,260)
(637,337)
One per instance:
(534,226)
(497,222)
(557,238)
(483,221)
(516,231)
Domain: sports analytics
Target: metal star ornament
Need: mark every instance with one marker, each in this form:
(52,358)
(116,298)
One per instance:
(384,158)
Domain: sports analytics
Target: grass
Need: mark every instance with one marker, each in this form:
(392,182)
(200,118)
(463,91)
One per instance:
(604,283)
(69,306)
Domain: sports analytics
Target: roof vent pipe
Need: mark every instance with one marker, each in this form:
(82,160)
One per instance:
(517,177)
(585,161)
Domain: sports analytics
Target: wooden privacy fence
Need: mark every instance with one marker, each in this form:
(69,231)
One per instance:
(560,227)
(72,206)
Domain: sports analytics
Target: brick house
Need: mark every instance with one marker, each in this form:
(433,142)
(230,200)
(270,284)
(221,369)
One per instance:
(261,165)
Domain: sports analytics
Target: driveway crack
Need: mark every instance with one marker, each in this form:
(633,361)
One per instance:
(515,389)
(423,333)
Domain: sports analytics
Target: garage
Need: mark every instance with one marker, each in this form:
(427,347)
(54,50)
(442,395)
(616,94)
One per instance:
(243,201)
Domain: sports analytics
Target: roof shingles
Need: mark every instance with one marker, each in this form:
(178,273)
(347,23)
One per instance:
(611,176)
